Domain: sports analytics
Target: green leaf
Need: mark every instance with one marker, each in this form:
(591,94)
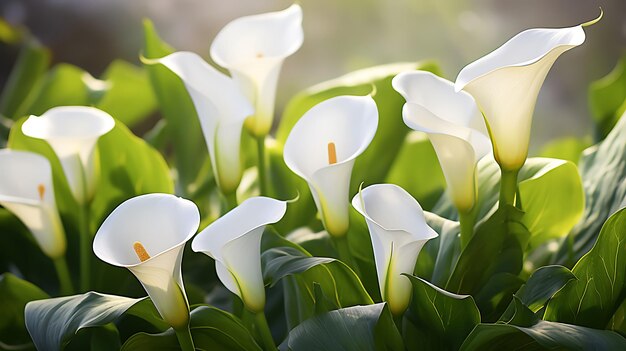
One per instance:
(373,165)
(14,294)
(603,170)
(178,110)
(280,262)
(438,257)
(355,328)
(593,299)
(541,336)
(211,329)
(52,322)
(539,289)
(417,170)
(30,66)
(129,97)
(442,319)
(569,149)
(607,99)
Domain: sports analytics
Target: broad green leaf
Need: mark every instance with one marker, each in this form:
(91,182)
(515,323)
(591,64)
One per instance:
(30,66)
(354,328)
(280,262)
(603,170)
(373,165)
(14,294)
(569,149)
(211,329)
(178,110)
(541,336)
(438,257)
(417,170)
(607,99)
(129,97)
(600,288)
(52,322)
(539,289)
(443,320)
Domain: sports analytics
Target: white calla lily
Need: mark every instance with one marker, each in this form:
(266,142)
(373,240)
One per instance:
(253,49)
(506,83)
(222,109)
(234,242)
(26,190)
(322,148)
(398,232)
(147,235)
(72,132)
(454,125)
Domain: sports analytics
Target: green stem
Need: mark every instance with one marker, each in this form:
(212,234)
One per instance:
(508,187)
(230,203)
(85,247)
(264,331)
(343,249)
(466,219)
(184,339)
(261,165)
(65,280)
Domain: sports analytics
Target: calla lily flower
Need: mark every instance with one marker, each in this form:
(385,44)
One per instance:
(506,83)
(322,148)
(234,242)
(222,109)
(398,232)
(253,48)
(147,235)
(72,132)
(26,190)
(454,125)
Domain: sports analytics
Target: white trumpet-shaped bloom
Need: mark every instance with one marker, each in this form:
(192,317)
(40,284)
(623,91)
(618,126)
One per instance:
(72,132)
(322,148)
(234,242)
(26,190)
(253,49)
(147,235)
(454,125)
(506,83)
(222,109)
(398,232)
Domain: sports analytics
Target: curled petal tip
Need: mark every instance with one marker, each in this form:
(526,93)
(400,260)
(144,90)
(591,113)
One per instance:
(594,21)
(147,61)
(374,90)
(290,201)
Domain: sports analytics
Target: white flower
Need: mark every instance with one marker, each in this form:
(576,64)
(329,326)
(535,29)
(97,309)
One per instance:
(234,241)
(26,190)
(454,125)
(147,235)
(506,82)
(322,148)
(253,48)
(222,109)
(398,231)
(72,132)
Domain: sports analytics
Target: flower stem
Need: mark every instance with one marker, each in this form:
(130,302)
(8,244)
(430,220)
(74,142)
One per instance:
(261,165)
(343,249)
(231,202)
(184,339)
(508,187)
(264,331)
(85,246)
(466,219)
(65,280)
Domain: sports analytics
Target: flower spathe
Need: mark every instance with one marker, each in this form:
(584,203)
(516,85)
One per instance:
(398,231)
(147,235)
(222,109)
(72,132)
(454,126)
(234,242)
(27,191)
(506,83)
(253,49)
(322,148)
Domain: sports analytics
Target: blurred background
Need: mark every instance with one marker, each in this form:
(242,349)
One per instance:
(342,36)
